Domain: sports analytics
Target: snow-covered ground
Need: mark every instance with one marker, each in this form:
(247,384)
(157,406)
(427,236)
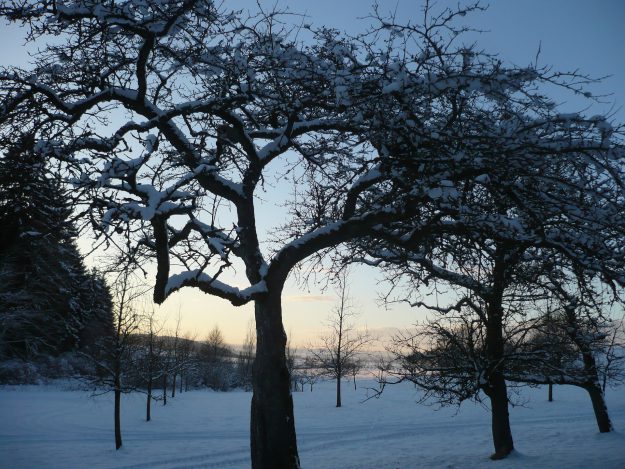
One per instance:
(52,427)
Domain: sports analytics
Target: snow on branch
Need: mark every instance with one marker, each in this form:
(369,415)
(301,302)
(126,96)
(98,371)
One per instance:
(213,286)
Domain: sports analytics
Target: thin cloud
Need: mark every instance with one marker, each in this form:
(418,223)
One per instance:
(309,298)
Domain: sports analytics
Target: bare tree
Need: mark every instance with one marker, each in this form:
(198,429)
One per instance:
(613,367)
(339,349)
(186,361)
(354,368)
(150,368)
(575,343)
(309,374)
(486,334)
(214,356)
(176,355)
(166,367)
(245,358)
(198,150)
(114,356)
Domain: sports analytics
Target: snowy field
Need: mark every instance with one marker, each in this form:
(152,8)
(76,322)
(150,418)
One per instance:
(52,427)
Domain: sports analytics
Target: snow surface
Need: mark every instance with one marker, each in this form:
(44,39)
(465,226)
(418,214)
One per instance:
(52,427)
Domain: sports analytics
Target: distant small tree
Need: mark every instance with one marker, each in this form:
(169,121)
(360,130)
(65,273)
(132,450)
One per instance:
(309,374)
(613,369)
(354,367)
(150,369)
(339,349)
(115,356)
(217,370)
(176,355)
(291,365)
(245,359)
(186,360)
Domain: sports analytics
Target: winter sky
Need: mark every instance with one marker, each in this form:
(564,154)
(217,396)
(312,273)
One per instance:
(572,34)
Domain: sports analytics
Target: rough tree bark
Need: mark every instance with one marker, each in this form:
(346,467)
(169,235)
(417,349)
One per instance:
(599,407)
(592,386)
(273,437)
(596,393)
(118,399)
(500,419)
(339,369)
(496,389)
(148,404)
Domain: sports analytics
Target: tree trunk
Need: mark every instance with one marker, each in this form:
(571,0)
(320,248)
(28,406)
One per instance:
(339,352)
(273,440)
(594,389)
(354,382)
(550,392)
(173,387)
(599,406)
(118,426)
(338,388)
(500,418)
(148,405)
(181,378)
(496,389)
(164,388)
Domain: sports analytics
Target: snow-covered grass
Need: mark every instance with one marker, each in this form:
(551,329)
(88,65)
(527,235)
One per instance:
(52,427)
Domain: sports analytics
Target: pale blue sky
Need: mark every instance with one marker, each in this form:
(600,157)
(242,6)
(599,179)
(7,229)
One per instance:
(575,34)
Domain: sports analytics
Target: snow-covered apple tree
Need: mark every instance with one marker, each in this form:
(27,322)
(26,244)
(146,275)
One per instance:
(523,190)
(509,184)
(572,339)
(496,315)
(172,117)
(546,202)
(168,116)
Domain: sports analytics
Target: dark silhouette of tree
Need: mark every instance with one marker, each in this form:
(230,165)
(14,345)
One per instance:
(501,325)
(215,360)
(381,139)
(245,359)
(116,357)
(150,367)
(572,342)
(49,302)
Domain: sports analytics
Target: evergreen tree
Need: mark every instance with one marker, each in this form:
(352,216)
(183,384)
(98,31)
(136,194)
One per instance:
(49,302)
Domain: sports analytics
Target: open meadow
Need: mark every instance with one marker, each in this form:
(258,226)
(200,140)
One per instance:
(54,427)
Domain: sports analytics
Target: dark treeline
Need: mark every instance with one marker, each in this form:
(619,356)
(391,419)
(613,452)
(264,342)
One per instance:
(50,303)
